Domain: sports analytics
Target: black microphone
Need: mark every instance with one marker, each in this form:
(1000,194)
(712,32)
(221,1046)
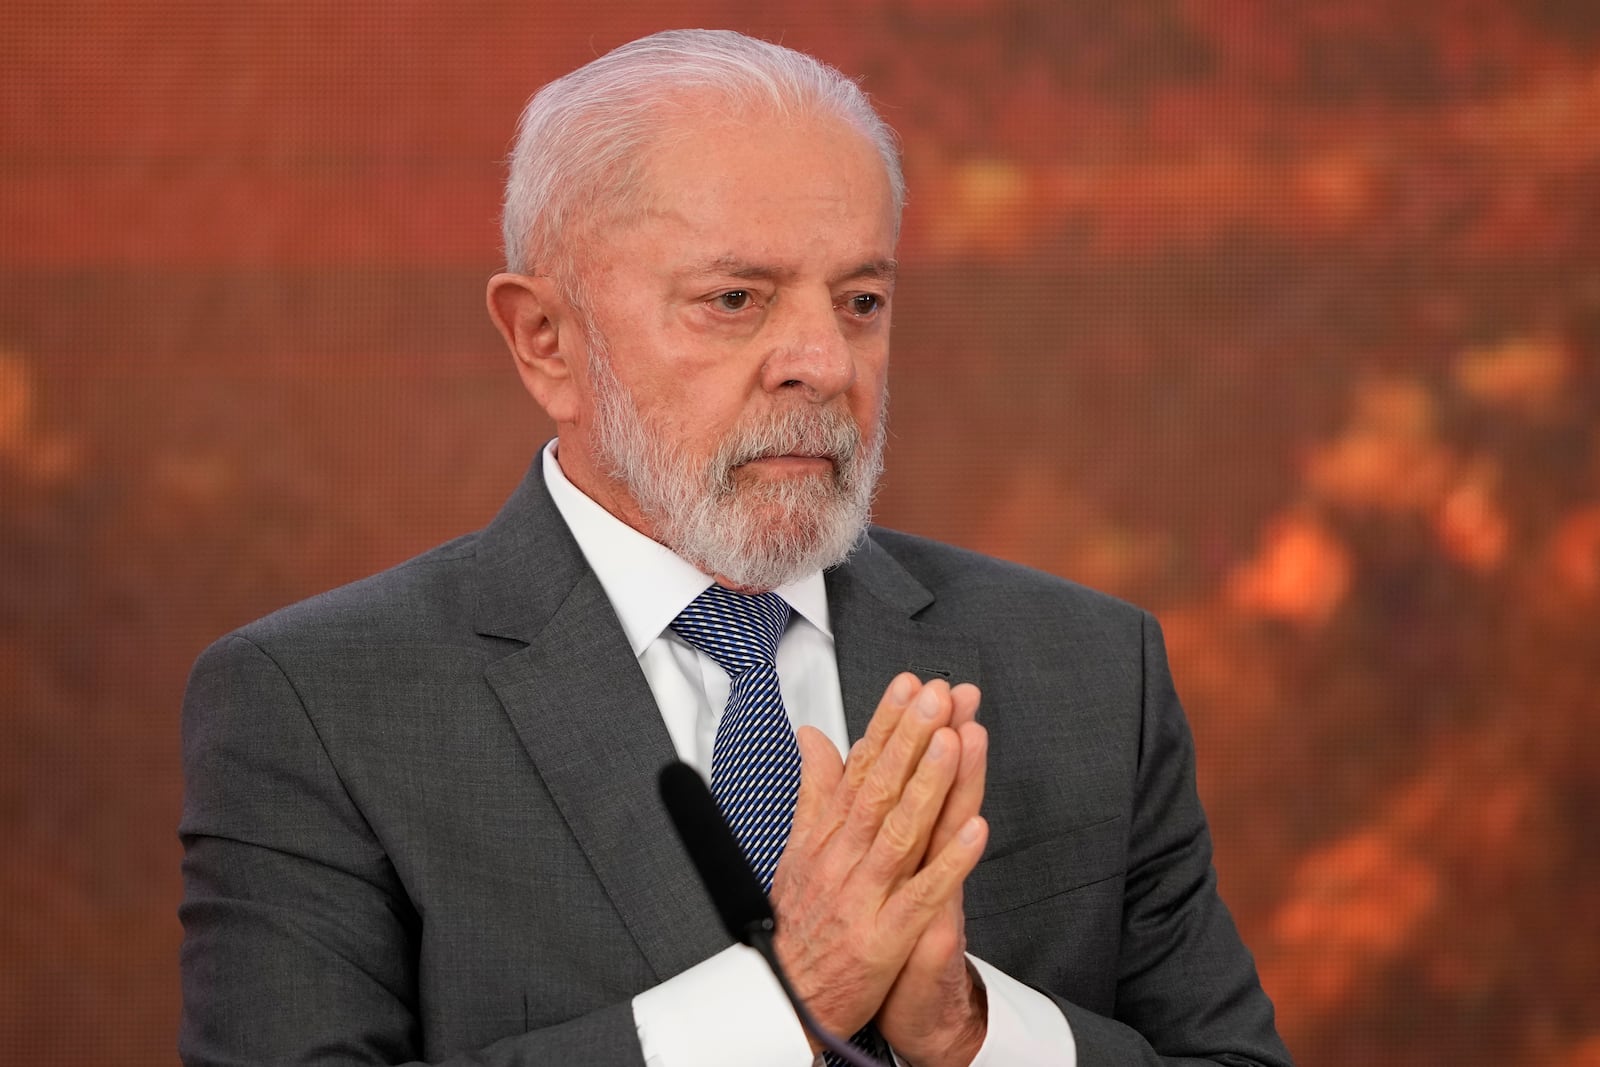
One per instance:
(743,907)
(737,895)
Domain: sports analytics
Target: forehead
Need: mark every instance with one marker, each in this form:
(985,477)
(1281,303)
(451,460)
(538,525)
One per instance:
(723,179)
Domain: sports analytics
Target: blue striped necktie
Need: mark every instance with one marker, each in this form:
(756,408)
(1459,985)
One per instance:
(755,763)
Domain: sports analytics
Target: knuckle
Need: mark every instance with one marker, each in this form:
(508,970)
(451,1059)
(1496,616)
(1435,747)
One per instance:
(877,795)
(898,835)
(922,893)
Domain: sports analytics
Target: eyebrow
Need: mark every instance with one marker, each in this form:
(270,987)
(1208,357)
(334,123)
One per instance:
(884,270)
(732,266)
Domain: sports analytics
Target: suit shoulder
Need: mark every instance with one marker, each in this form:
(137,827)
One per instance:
(427,594)
(960,575)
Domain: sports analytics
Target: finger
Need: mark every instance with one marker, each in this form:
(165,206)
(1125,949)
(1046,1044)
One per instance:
(897,696)
(886,779)
(919,900)
(964,701)
(965,798)
(902,840)
(820,771)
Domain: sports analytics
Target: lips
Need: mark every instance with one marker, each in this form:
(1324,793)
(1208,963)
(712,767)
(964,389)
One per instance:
(799,452)
(795,438)
(796,457)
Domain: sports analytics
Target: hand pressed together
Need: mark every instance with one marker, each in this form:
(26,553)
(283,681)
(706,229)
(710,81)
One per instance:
(868,891)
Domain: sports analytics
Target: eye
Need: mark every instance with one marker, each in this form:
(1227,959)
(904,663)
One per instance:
(732,300)
(863,305)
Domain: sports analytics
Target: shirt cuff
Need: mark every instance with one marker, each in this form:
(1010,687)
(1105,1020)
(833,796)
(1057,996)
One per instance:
(727,1011)
(1025,1028)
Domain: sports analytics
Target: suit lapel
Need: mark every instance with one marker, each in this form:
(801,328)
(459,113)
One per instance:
(874,604)
(585,714)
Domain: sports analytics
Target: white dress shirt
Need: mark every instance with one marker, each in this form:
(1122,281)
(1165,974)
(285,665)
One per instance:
(733,995)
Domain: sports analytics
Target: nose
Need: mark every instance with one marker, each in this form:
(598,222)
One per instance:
(811,353)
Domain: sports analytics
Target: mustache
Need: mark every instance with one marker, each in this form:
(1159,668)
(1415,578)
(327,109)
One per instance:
(826,433)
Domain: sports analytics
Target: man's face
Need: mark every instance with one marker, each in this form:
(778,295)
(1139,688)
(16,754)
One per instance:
(738,336)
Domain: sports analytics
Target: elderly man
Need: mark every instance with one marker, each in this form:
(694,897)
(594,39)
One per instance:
(420,819)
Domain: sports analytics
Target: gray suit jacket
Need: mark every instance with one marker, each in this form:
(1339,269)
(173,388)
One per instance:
(421,821)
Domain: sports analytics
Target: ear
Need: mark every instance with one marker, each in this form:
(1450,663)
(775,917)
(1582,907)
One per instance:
(544,337)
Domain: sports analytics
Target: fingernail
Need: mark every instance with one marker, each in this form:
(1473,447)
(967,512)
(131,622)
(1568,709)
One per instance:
(927,703)
(970,831)
(900,689)
(936,746)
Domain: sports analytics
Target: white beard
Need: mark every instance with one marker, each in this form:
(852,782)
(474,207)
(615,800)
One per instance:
(757,535)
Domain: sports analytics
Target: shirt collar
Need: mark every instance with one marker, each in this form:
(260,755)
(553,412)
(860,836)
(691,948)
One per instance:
(647,583)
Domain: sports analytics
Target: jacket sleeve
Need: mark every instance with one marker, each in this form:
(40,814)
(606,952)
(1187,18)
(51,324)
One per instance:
(300,944)
(1187,990)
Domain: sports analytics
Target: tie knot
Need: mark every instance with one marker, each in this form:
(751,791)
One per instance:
(737,630)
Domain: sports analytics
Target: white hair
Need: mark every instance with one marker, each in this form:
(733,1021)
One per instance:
(581,141)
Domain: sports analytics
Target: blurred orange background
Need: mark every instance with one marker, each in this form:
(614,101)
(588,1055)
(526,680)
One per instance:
(1281,320)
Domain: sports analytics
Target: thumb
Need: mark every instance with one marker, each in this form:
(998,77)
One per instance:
(821,769)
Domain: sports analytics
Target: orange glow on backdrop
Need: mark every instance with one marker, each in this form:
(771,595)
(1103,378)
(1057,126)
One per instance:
(1282,320)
